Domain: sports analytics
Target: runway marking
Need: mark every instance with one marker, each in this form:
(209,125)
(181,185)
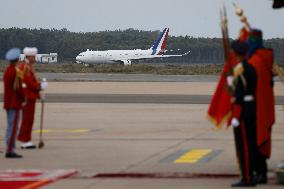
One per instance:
(210,156)
(193,156)
(63,131)
(173,157)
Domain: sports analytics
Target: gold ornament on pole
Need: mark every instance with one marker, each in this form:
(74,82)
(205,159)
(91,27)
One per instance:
(277,70)
(240,12)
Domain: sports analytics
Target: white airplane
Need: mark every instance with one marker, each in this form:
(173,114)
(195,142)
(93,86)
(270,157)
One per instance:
(127,56)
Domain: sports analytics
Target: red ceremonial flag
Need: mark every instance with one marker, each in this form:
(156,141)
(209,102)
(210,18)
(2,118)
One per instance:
(220,106)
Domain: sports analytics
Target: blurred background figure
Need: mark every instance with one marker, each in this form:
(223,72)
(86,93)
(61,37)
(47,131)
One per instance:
(12,101)
(31,89)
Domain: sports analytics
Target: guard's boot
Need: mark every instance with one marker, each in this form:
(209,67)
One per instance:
(28,145)
(12,155)
(243,183)
(261,179)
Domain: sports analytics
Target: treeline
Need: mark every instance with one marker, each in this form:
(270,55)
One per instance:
(69,44)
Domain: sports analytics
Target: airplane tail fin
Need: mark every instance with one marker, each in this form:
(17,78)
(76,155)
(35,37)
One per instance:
(159,47)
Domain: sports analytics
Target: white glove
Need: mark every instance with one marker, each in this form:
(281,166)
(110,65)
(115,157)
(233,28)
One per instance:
(24,85)
(230,80)
(43,85)
(235,122)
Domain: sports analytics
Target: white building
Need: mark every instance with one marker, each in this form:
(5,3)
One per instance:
(44,58)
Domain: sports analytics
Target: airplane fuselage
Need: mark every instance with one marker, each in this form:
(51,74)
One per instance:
(111,56)
(157,50)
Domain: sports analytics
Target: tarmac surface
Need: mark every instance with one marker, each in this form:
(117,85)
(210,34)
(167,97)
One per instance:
(127,77)
(136,144)
(133,98)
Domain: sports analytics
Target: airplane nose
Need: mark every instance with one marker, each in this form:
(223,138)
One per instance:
(78,59)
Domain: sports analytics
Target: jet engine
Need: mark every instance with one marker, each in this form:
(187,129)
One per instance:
(126,62)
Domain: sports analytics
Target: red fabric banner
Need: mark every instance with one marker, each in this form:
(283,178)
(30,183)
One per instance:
(220,106)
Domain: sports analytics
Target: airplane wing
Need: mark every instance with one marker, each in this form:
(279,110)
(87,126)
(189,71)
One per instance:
(174,55)
(152,56)
(129,60)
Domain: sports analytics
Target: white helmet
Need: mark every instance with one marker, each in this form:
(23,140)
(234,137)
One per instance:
(30,51)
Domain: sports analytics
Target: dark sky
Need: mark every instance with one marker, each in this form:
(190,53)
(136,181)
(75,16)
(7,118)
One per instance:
(197,18)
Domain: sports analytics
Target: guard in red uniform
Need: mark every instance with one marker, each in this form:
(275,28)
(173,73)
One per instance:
(31,89)
(12,101)
(262,60)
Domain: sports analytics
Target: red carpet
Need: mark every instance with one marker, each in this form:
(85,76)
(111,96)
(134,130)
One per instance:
(31,179)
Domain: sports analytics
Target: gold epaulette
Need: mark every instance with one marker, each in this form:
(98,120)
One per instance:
(277,70)
(238,70)
(19,73)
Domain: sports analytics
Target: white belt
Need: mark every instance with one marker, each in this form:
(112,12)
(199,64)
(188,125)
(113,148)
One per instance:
(248,98)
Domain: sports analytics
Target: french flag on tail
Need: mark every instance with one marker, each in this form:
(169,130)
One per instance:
(159,46)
